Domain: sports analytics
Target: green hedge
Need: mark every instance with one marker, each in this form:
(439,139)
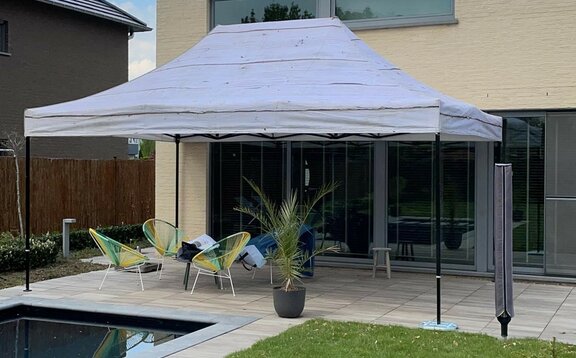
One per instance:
(43,251)
(81,239)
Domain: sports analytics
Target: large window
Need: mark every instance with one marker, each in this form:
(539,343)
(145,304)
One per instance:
(344,218)
(384,13)
(560,194)
(4,36)
(411,205)
(358,14)
(523,147)
(261,162)
(226,12)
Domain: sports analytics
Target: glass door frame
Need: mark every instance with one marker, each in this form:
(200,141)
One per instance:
(483,161)
(490,253)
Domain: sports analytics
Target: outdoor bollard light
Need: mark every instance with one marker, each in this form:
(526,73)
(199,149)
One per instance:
(66,236)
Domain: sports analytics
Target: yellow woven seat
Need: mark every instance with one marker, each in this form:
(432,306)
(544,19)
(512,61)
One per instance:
(120,255)
(165,237)
(217,259)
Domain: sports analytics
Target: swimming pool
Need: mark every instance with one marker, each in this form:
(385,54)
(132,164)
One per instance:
(55,328)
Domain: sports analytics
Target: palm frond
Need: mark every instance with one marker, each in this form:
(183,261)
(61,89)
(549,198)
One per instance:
(284,222)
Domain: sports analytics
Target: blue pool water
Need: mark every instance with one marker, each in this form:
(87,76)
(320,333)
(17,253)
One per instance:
(27,331)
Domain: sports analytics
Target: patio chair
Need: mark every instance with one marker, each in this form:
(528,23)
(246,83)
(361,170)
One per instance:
(165,237)
(217,259)
(119,255)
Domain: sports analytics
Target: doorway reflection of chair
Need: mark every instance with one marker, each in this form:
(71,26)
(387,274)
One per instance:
(405,250)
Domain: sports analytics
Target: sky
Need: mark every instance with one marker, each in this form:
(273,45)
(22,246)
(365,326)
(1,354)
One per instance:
(142,48)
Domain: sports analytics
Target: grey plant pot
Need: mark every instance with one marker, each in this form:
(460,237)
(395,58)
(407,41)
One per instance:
(289,304)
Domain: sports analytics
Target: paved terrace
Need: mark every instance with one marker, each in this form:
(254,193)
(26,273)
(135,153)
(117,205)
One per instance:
(542,310)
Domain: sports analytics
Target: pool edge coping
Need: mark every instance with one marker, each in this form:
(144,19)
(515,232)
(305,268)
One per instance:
(220,323)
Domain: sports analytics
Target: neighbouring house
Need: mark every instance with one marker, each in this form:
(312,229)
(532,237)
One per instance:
(54,51)
(509,58)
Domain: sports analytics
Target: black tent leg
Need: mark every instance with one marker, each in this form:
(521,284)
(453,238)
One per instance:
(177,177)
(27,213)
(438,209)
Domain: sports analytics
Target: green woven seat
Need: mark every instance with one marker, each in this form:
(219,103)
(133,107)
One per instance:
(165,237)
(217,259)
(119,255)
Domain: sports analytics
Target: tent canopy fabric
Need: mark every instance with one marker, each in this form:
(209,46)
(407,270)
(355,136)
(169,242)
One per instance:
(293,80)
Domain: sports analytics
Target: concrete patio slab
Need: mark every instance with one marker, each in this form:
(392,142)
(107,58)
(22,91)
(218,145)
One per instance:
(542,310)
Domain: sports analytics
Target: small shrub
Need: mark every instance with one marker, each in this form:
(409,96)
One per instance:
(6,237)
(80,239)
(43,251)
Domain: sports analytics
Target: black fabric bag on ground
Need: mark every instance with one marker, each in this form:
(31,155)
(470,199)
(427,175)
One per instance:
(187,251)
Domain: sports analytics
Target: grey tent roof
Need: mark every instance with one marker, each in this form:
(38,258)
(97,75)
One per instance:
(293,80)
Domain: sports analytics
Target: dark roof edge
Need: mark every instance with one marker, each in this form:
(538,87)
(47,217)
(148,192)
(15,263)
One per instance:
(135,25)
(142,25)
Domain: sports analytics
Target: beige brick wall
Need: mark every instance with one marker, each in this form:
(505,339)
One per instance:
(502,55)
(513,54)
(193,185)
(181,24)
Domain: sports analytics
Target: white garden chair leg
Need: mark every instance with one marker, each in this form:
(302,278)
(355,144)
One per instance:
(231,284)
(140,274)
(106,274)
(161,267)
(194,285)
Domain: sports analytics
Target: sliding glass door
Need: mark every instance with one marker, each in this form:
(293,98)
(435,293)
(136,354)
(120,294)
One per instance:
(344,218)
(560,194)
(261,162)
(523,147)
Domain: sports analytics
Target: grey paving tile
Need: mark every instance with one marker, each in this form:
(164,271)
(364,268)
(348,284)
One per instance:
(407,299)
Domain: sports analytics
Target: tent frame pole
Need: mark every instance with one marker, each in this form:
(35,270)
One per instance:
(177,178)
(27,213)
(438,226)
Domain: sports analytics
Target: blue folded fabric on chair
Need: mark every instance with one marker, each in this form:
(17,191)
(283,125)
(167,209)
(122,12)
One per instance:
(265,243)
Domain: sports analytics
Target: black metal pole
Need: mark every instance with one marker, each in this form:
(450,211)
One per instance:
(438,203)
(176,200)
(504,319)
(27,213)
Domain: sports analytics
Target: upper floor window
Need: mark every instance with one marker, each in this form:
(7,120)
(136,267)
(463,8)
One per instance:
(226,12)
(357,14)
(3,36)
(366,14)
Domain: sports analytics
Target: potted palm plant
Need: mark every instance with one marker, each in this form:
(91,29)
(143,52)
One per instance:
(284,223)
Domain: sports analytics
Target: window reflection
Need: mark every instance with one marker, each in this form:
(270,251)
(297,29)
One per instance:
(523,147)
(410,202)
(344,218)
(371,9)
(228,12)
(261,162)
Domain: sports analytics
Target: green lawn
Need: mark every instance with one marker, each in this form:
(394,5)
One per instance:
(321,338)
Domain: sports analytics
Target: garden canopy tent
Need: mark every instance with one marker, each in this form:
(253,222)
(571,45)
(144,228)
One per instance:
(296,80)
(291,80)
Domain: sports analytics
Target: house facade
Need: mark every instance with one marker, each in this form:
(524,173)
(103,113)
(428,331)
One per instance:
(56,51)
(508,58)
